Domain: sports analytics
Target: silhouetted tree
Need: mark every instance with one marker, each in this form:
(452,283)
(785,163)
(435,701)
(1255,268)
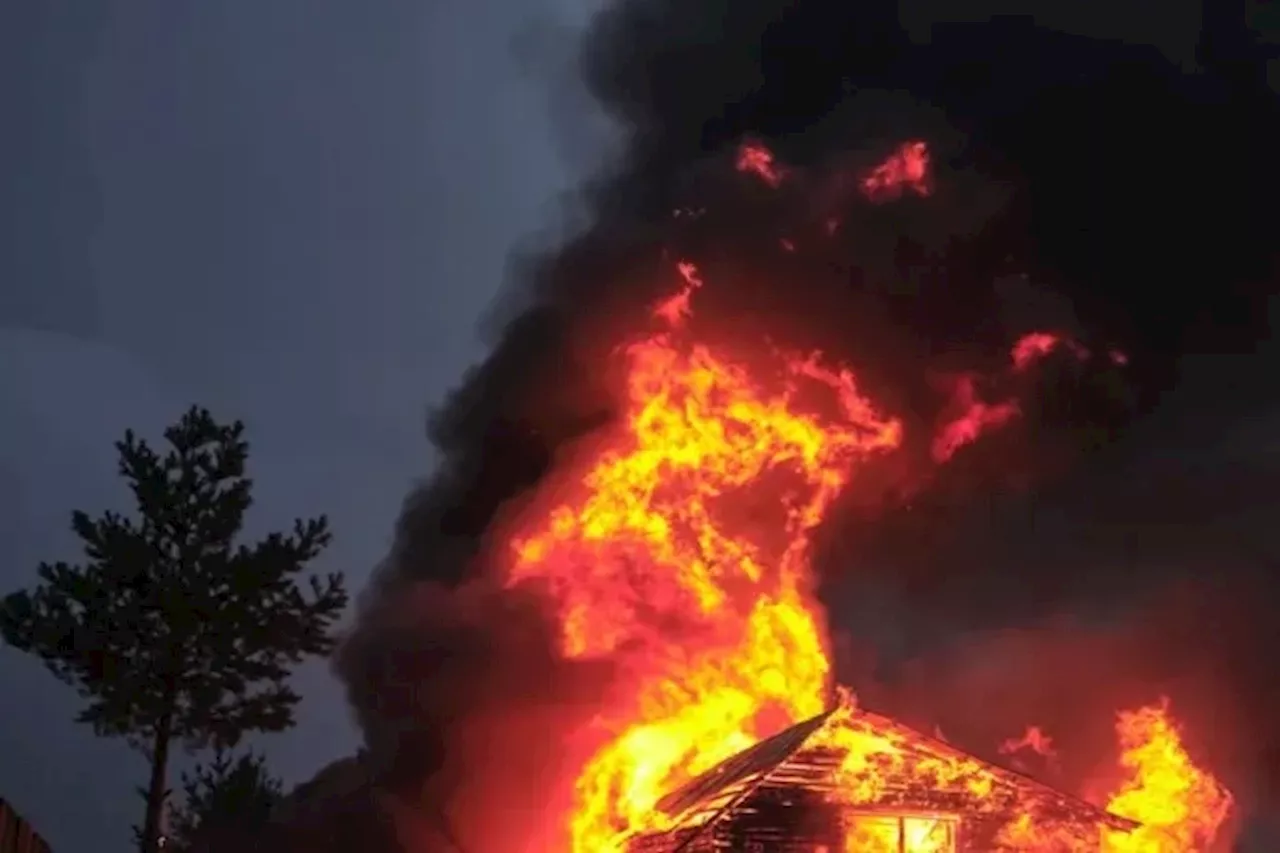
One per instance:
(170,629)
(223,801)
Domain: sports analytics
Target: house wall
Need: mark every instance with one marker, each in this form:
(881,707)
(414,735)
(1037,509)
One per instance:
(16,835)
(773,831)
(787,821)
(667,842)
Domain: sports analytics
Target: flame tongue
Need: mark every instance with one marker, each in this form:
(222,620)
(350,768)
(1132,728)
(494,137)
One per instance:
(685,558)
(1180,806)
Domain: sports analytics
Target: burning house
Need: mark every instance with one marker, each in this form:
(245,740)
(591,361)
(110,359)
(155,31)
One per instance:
(664,569)
(902,792)
(674,552)
(601,622)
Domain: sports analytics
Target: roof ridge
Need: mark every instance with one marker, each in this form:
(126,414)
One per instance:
(727,779)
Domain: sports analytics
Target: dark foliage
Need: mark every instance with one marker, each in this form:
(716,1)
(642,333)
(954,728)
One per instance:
(170,629)
(223,799)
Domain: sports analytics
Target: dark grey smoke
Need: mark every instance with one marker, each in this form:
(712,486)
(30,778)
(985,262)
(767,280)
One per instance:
(1135,201)
(1148,572)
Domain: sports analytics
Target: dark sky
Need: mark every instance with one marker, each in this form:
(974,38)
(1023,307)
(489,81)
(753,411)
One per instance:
(294,213)
(291,212)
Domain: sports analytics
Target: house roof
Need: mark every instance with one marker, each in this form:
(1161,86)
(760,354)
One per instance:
(792,758)
(739,771)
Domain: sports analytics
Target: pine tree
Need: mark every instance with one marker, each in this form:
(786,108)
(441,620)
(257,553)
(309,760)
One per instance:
(223,802)
(171,629)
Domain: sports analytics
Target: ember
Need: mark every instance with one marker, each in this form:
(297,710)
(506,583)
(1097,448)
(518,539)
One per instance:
(758,160)
(1032,347)
(906,169)
(1033,739)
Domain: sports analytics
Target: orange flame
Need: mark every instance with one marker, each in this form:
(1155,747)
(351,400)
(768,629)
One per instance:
(888,835)
(1181,807)
(685,557)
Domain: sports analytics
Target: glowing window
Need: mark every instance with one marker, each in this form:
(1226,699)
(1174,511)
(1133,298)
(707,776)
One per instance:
(882,833)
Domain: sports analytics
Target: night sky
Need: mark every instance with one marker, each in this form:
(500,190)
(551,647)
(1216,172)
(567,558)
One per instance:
(296,213)
(293,213)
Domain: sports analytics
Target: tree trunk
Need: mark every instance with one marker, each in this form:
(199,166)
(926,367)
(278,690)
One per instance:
(158,788)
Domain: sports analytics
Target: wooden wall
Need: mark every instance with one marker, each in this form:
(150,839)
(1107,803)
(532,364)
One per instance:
(16,835)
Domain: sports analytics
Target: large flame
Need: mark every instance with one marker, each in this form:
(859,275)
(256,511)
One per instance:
(1180,806)
(687,560)
(681,553)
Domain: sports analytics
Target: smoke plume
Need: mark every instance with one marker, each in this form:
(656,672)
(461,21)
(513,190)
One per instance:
(1090,187)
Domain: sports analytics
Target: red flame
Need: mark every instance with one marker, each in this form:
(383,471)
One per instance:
(1033,347)
(1034,739)
(675,308)
(973,418)
(759,161)
(907,168)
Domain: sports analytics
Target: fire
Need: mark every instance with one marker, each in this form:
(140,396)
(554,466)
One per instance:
(1034,346)
(1033,739)
(906,169)
(1034,750)
(1180,806)
(874,752)
(685,557)
(681,554)
(759,161)
(885,835)
(972,417)
(675,308)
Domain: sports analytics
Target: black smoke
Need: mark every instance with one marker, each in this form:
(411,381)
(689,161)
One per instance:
(1089,185)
